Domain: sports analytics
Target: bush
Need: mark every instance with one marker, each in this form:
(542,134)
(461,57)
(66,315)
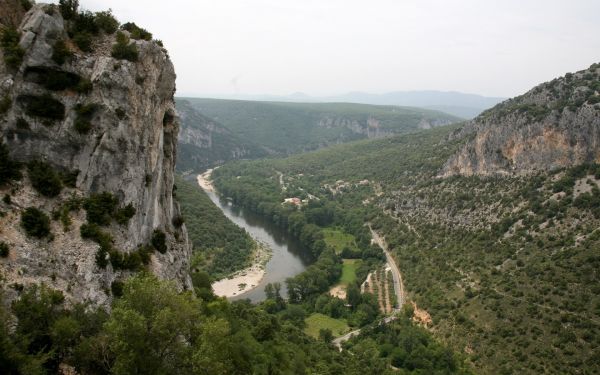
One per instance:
(3,249)
(178,221)
(68,8)
(5,104)
(60,52)
(44,178)
(100,208)
(84,86)
(13,53)
(85,112)
(107,22)
(116,287)
(123,215)
(22,123)
(35,222)
(159,241)
(137,32)
(52,79)
(123,50)
(83,40)
(44,106)
(9,169)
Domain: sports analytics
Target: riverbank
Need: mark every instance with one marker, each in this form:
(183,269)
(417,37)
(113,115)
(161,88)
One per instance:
(205,182)
(247,278)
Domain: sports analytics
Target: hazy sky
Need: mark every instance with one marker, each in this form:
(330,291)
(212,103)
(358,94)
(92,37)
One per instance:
(322,47)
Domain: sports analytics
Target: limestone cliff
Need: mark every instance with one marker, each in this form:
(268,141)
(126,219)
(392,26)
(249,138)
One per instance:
(112,124)
(556,124)
(205,143)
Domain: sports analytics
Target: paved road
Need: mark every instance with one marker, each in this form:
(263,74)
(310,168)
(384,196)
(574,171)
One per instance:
(398,290)
(396,275)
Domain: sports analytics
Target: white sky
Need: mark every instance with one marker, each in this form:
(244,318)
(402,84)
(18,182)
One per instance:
(323,47)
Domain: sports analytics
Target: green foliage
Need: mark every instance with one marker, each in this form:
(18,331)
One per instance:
(83,40)
(285,128)
(123,214)
(85,113)
(123,50)
(35,222)
(60,52)
(22,123)
(44,178)
(9,42)
(52,79)
(5,104)
(220,246)
(411,348)
(158,241)
(100,208)
(4,250)
(9,169)
(94,233)
(136,32)
(43,106)
(106,22)
(68,8)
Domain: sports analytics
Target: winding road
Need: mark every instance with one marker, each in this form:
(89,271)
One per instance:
(398,289)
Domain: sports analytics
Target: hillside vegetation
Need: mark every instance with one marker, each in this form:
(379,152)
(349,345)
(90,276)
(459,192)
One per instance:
(286,128)
(507,267)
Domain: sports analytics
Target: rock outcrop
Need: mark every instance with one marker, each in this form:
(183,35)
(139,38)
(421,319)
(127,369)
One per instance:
(205,143)
(114,125)
(555,125)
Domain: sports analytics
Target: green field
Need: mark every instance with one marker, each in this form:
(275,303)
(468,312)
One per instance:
(317,321)
(338,239)
(349,271)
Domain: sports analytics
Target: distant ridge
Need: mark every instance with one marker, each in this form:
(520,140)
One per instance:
(452,102)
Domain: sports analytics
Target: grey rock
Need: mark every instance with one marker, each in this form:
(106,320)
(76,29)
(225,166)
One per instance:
(132,156)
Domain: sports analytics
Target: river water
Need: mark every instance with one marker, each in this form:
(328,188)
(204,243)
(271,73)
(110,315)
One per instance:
(288,255)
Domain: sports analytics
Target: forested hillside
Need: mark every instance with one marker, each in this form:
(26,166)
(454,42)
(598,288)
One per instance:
(286,128)
(507,267)
(204,143)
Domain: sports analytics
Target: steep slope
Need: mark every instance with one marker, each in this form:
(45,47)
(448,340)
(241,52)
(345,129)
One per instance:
(503,257)
(204,143)
(108,124)
(285,128)
(555,125)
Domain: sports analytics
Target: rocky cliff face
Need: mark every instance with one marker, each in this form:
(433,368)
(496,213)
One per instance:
(205,143)
(556,124)
(118,134)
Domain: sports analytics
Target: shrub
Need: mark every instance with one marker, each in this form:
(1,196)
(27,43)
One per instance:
(52,79)
(107,22)
(85,23)
(123,215)
(3,249)
(9,169)
(137,32)
(5,104)
(22,123)
(69,178)
(123,50)
(100,208)
(94,233)
(60,52)
(44,106)
(44,178)
(68,8)
(6,199)
(178,221)
(84,86)
(83,40)
(85,112)
(159,241)
(35,222)
(116,288)
(13,53)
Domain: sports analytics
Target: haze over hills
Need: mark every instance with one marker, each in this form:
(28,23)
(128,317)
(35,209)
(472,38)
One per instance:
(455,103)
(284,128)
